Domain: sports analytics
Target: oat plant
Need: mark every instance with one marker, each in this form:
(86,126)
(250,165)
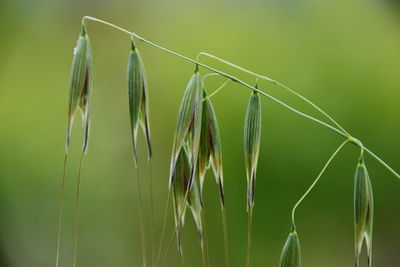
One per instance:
(197,148)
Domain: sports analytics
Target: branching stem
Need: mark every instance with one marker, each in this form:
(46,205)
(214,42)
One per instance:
(340,131)
(317,179)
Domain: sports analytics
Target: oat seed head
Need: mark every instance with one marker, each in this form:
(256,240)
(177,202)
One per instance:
(363,211)
(80,86)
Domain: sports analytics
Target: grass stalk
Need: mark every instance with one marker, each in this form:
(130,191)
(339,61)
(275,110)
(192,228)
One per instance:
(149,166)
(317,179)
(164,226)
(225,230)
(77,206)
(249,235)
(140,206)
(61,211)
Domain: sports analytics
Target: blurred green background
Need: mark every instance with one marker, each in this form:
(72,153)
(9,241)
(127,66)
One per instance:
(344,55)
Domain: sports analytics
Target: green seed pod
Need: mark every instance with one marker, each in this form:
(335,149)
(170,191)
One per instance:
(80,85)
(210,147)
(188,126)
(252,137)
(363,211)
(291,254)
(138,99)
(179,188)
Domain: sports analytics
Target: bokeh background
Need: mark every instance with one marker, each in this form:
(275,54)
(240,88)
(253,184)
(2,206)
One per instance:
(344,55)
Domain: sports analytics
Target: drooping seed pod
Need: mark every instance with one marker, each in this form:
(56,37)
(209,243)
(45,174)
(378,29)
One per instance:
(291,254)
(179,188)
(363,211)
(252,138)
(80,86)
(210,147)
(188,126)
(138,99)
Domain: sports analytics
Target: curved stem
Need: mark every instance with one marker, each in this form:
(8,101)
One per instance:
(317,179)
(339,131)
(276,83)
(218,89)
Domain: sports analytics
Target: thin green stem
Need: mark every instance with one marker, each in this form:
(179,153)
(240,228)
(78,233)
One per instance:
(106,23)
(225,229)
(382,162)
(317,179)
(151,211)
(205,237)
(218,89)
(61,211)
(140,206)
(78,189)
(179,220)
(273,82)
(339,131)
(164,226)
(249,235)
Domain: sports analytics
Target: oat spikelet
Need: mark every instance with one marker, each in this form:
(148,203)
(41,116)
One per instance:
(188,126)
(291,254)
(252,137)
(80,86)
(210,147)
(179,186)
(138,99)
(363,211)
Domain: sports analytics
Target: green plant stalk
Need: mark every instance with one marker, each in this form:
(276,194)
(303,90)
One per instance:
(225,229)
(140,206)
(78,189)
(249,235)
(164,225)
(317,179)
(61,211)
(340,132)
(151,211)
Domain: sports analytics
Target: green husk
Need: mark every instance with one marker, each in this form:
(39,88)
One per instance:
(291,253)
(80,86)
(179,186)
(252,138)
(196,207)
(363,211)
(138,99)
(188,126)
(210,147)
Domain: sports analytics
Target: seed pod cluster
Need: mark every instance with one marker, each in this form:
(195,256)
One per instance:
(291,254)
(363,211)
(210,147)
(252,138)
(80,86)
(138,99)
